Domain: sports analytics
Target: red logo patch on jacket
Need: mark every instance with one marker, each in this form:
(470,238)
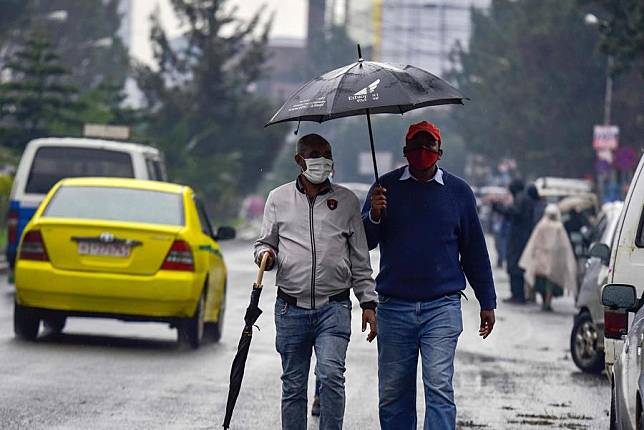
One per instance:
(332,204)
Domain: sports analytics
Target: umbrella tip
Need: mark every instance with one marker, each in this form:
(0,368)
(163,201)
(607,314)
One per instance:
(359,53)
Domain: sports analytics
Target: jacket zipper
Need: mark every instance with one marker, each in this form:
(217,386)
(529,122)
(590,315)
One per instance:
(314,262)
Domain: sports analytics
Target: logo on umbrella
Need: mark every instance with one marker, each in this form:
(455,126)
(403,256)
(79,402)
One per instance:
(361,96)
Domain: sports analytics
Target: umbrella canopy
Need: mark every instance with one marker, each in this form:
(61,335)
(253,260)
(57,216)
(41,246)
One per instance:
(379,87)
(239,363)
(366,87)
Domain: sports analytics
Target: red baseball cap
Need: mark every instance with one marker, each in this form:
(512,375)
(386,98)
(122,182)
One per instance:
(425,126)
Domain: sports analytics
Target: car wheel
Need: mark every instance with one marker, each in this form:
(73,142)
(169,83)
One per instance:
(192,329)
(583,345)
(55,325)
(25,322)
(214,330)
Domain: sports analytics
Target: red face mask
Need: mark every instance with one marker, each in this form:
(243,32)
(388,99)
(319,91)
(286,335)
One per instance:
(422,158)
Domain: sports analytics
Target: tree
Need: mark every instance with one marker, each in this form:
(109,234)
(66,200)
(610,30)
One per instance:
(86,37)
(536,81)
(200,105)
(622,32)
(37,99)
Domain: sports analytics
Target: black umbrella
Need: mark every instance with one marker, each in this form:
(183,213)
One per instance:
(237,369)
(366,87)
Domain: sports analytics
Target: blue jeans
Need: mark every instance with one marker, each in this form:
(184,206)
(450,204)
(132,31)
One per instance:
(404,329)
(299,330)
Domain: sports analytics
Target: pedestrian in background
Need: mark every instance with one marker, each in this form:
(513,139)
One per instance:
(521,214)
(430,238)
(548,259)
(312,230)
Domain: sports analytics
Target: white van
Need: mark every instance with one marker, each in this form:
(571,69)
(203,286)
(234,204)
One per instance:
(46,161)
(626,264)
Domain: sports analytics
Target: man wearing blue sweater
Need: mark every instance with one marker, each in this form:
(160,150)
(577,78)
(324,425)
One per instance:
(430,238)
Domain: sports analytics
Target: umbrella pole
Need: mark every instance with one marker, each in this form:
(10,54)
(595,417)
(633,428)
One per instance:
(373,148)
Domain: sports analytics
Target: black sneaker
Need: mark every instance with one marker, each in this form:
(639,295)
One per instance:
(315,408)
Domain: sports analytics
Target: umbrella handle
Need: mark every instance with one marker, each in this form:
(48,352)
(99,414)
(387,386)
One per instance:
(262,268)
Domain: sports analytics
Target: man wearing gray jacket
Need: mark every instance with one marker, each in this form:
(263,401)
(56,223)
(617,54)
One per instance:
(313,230)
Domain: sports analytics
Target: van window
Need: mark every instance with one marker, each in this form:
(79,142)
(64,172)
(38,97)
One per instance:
(154,169)
(53,163)
(639,240)
(117,204)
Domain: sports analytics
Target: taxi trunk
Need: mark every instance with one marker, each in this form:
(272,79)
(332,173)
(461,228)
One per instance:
(136,249)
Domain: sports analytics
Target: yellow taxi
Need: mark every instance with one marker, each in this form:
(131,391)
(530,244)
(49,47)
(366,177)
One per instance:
(128,249)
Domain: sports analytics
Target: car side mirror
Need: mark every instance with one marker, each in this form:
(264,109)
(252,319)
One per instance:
(225,233)
(601,251)
(619,296)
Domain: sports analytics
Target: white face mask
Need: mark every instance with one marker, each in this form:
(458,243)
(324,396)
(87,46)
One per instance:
(317,169)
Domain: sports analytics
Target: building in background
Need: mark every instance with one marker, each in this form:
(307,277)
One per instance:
(418,32)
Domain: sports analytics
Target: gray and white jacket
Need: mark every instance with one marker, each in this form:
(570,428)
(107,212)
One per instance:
(320,244)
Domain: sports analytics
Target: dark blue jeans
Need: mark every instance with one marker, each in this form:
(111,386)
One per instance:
(404,329)
(299,330)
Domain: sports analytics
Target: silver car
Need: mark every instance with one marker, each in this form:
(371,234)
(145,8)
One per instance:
(626,411)
(587,335)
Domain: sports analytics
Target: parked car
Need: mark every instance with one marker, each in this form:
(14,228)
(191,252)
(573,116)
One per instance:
(587,335)
(626,411)
(626,267)
(121,248)
(46,161)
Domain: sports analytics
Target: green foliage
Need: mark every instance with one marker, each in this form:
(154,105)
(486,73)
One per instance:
(200,107)
(87,40)
(37,99)
(105,105)
(536,81)
(622,32)
(6,182)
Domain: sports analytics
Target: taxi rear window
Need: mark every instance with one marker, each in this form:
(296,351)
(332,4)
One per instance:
(117,204)
(53,163)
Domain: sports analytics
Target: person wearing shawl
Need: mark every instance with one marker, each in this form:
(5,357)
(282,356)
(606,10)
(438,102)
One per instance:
(548,258)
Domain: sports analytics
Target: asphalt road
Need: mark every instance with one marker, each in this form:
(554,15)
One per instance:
(102,374)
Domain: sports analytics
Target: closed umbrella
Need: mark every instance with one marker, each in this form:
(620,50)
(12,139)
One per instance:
(239,363)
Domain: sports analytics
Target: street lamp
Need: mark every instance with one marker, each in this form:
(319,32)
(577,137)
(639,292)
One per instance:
(591,19)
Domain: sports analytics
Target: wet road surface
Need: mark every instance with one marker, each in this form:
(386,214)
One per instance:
(103,374)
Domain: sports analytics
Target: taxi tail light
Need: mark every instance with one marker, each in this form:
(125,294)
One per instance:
(615,324)
(12,226)
(179,257)
(33,247)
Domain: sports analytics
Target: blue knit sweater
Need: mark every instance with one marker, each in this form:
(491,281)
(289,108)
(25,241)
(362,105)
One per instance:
(430,239)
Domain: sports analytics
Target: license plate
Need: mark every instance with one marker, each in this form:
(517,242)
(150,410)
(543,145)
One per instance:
(103,249)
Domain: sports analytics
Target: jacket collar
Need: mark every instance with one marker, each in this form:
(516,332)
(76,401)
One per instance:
(326,186)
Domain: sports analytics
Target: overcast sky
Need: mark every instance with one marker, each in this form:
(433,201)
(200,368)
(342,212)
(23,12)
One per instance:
(290,20)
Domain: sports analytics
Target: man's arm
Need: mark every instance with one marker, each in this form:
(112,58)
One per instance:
(475,260)
(362,283)
(364,287)
(269,237)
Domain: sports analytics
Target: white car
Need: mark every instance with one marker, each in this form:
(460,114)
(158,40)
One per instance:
(587,335)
